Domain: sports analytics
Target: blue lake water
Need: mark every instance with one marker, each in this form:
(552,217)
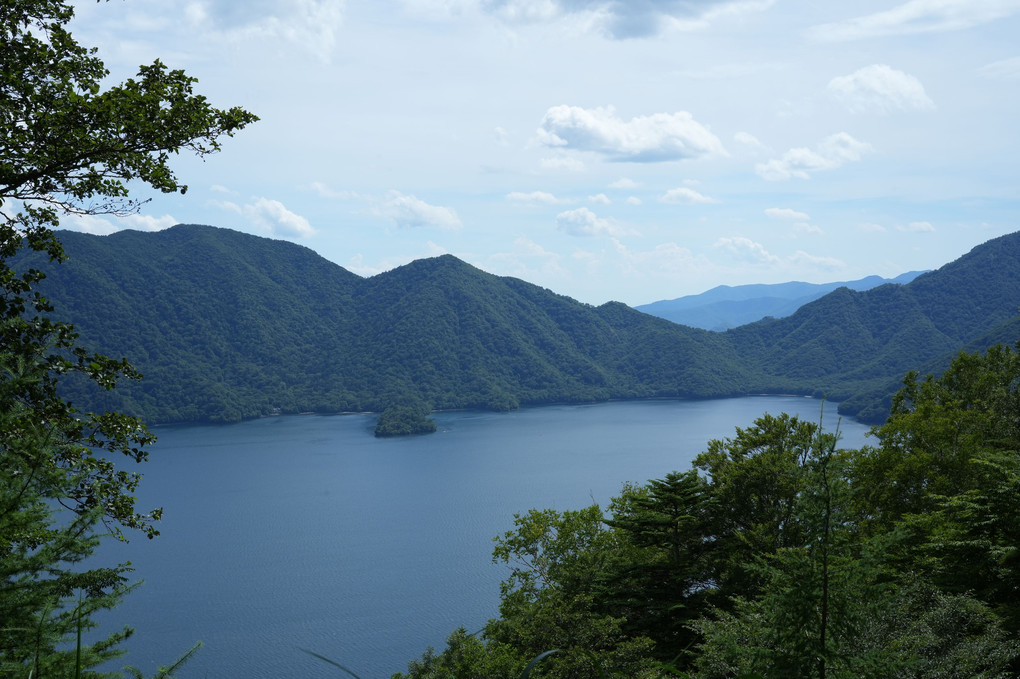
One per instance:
(307,532)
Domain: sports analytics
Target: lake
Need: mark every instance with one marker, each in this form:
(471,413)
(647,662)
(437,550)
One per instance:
(306,532)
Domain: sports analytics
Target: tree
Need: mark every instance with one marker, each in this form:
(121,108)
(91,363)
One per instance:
(550,602)
(664,580)
(935,429)
(69,145)
(755,479)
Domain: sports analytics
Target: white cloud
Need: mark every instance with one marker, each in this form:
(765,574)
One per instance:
(1006,69)
(831,153)
(687,196)
(535,198)
(917,227)
(665,257)
(148,222)
(584,222)
(623,20)
(410,212)
(871,228)
(272,217)
(105,225)
(918,16)
(654,138)
(881,89)
(562,163)
(97,226)
(502,137)
(312,25)
(599,199)
(747,250)
(786,213)
(624,183)
(633,200)
(751,252)
(803,258)
(748,139)
(527,260)
(804,227)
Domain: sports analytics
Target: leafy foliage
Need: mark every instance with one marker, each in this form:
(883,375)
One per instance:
(787,556)
(67,145)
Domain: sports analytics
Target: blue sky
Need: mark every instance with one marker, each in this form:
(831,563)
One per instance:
(630,151)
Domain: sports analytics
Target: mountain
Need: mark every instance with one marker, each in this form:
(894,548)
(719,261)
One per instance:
(725,306)
(227,326)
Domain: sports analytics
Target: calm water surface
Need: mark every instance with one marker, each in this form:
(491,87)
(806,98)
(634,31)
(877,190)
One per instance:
(307,532)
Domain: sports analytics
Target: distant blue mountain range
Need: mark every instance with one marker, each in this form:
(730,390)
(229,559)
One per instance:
(727,306)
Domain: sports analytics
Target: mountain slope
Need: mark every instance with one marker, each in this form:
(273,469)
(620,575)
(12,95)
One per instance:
(848,342)
(227,326)
(725,306)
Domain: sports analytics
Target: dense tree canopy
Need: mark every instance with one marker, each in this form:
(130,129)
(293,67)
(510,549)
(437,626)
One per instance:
(787,556)
(70,145)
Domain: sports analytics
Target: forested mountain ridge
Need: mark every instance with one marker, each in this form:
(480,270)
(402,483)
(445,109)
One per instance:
(724,306)
(226,325)
(856,346)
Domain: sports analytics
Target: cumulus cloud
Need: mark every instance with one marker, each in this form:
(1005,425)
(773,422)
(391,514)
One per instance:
(816,262)
(804,227)
(834,151)
(527,259)
(600,199)
(786,213)
(748,139)
(148,222)
(97,226)
(1006,69)
(272,217)
(663,258)
(407,211)
(622,20)
(686,196)
(633,200)
(871,227)
(918,16)
(312,25)
(752,252)
(624,183)
(747,250)
(654,138)
(882,89)
(535,198)
(584,222)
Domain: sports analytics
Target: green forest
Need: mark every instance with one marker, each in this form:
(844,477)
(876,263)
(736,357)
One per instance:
(227,326)
(780,554)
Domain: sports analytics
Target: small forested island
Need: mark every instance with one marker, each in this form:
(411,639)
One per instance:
(405,419)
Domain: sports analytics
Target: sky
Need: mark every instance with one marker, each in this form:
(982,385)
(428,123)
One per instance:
(632,150)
